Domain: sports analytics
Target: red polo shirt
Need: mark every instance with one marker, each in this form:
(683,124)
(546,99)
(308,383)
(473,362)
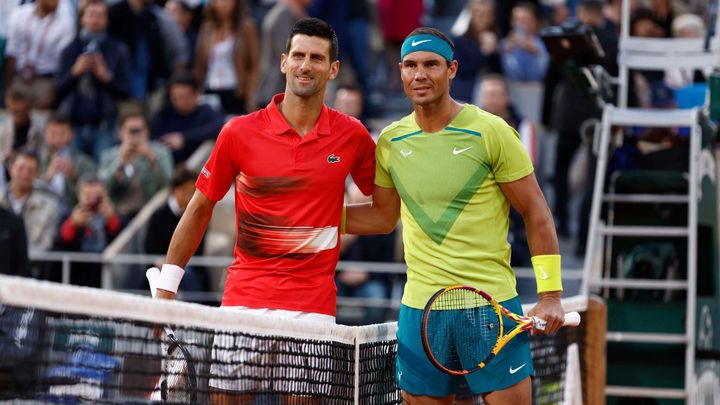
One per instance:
(288,202)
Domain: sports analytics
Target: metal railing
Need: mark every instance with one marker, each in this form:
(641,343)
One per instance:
(67,258)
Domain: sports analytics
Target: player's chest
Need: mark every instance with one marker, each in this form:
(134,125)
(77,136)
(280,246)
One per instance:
(441,157)
(293,156)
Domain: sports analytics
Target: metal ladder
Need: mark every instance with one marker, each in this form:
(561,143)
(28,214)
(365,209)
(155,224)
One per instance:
(650,54)
(601,234)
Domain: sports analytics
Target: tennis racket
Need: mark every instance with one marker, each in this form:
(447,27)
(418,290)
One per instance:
(464,328)
(178,382)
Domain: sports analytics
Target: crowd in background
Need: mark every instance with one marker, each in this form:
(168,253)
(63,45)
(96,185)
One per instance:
(104,100)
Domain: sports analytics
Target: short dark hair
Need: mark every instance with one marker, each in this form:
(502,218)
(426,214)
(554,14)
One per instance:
(88,178)
(89,3)
(27,153)
(592,6)
(181,176)
(531,7)
(59,118)
(185,78)
(434,32)
(494,76)
(18,92)
(315,27)
(350,87)
(132,110)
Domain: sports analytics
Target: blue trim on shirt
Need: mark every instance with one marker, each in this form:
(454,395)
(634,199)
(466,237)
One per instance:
(467,131)
(400,138)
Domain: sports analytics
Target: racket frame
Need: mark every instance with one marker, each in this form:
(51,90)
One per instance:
(191,374)
(524,323)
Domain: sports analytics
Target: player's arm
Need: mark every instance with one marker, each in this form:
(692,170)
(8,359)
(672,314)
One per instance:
(187,235)
(379,216)
(527,198)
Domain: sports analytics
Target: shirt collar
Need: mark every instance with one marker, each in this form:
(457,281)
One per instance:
(280,125)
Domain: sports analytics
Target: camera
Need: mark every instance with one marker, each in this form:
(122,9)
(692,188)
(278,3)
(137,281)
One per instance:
(91,47)
(572,42)
(94,206)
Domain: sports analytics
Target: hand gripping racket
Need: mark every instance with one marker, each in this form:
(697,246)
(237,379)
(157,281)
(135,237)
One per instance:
(178,382)
(463,328)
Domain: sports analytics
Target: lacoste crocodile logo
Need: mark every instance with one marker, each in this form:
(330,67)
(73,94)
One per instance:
(333,159)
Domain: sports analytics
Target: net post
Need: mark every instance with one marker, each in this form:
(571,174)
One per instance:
(594,353)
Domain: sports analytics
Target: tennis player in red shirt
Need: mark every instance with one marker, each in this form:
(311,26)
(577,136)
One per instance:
(288,164)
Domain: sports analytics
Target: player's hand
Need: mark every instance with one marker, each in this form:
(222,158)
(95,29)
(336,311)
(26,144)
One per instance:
(153,274)
(353,276)
(549,308)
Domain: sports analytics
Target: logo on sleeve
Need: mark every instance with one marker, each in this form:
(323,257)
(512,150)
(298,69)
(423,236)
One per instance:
(333,159)
(405,153)
(205,172)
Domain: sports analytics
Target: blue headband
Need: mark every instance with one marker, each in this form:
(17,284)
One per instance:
(428,43)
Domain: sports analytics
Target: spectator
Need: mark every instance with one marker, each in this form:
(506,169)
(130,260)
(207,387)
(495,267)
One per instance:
(476,49)
(275,30)
(37,33)
(349,100)
(163,222)
(227,55)
(13,245)
(687,26)
(20,127)
(356,281)
(6,8)
(397,20)
(39,209)
(495,99)
(183,13)
(136,169)
(647,87)
(60,163)
(182,124)
(357,43)
(571,108)
(522,54)
(94,74)
(156,44)
(91,225)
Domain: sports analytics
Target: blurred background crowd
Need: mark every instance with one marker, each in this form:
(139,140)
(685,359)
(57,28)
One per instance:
(105,101)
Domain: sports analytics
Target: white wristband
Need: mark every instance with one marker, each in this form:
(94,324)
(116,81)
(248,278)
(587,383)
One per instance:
(170,276)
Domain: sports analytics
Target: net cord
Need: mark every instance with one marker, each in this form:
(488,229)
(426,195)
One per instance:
(55,297)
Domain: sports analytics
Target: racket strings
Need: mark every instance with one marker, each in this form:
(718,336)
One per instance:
(463,328)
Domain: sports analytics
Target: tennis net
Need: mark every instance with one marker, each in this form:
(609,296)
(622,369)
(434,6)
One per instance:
(66,344)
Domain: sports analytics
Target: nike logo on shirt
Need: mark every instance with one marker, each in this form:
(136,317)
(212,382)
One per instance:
(457,151)
(416,43)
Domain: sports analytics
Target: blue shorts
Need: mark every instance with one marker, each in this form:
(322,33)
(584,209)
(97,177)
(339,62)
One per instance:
(418,376)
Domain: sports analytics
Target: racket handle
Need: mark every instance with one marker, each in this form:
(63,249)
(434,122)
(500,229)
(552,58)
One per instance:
(571,319)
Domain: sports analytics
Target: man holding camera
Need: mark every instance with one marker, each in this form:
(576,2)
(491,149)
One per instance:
(60,163)
(91,225)
(137,168)
(94,73)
